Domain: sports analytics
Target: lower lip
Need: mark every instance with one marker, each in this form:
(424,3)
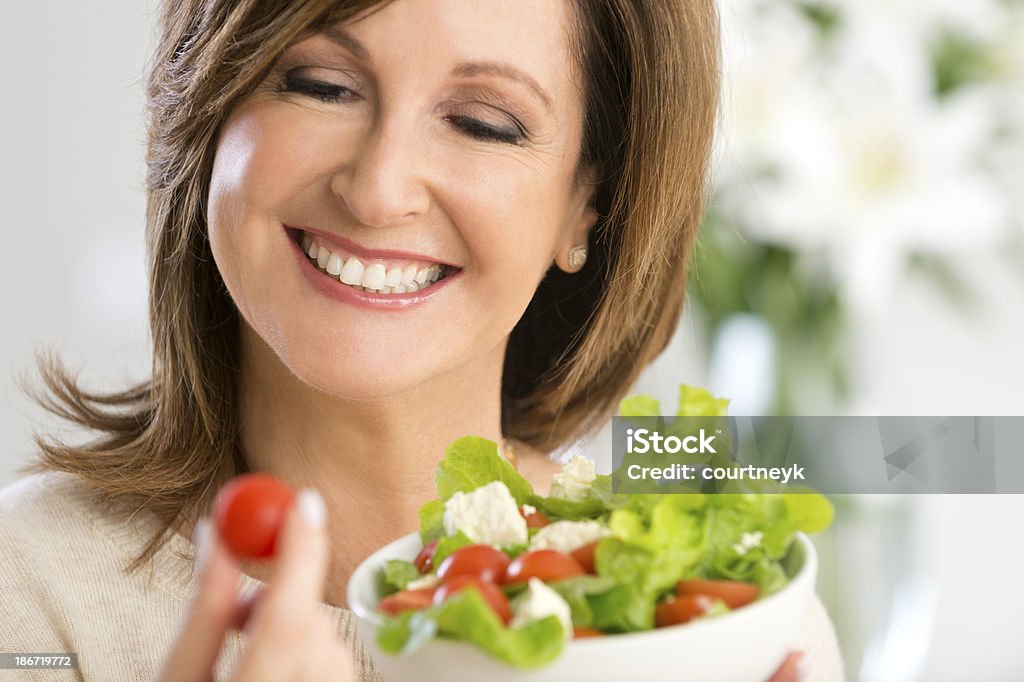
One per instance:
(333,288)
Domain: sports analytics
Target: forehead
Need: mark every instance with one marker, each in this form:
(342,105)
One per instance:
(434,36)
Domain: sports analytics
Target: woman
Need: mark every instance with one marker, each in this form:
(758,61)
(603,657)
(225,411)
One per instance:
(373,228)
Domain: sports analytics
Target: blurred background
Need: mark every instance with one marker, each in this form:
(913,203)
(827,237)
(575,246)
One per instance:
(864,254)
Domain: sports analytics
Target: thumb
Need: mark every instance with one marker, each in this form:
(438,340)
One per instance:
(211,614)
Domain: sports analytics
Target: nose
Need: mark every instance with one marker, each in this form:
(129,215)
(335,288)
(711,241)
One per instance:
(380,185)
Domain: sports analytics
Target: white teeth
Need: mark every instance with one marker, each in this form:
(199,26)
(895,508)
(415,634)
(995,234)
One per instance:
(334,264)
(409,275)
(374,277)
(352,273)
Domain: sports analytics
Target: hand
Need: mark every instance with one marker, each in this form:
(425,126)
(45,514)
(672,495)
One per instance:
(290,636)
(791,669)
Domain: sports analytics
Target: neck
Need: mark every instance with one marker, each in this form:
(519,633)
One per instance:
(373,460)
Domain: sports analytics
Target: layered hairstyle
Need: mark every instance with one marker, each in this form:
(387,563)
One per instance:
(648,71)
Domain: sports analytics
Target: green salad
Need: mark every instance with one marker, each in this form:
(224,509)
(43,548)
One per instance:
(520,575)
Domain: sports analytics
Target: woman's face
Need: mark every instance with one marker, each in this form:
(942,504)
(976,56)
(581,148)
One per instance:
(427,139)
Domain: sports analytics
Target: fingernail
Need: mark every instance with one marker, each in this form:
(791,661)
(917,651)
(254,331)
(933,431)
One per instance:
(803,668)
(201,542)
(311,508)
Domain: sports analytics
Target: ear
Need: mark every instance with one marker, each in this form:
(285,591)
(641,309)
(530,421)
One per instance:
(581,218)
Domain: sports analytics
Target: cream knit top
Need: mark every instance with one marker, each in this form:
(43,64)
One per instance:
(63,589)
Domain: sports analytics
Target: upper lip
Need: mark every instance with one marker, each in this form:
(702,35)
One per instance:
(368,253)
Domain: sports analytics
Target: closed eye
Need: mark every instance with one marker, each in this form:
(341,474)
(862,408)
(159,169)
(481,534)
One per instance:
(331,93)
(483,131)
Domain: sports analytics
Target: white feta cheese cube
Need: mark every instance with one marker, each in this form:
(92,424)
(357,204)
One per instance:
(574,481)
(566,536)
(488,515)
(540,601)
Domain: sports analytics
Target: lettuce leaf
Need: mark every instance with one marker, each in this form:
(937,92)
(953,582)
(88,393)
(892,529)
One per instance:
(447,545)
(699,402)
(471,462)
(398,574)
(466,616)
(598,502)
(432,521)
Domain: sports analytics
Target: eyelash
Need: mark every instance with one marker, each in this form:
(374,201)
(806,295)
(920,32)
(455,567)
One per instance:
(335,94)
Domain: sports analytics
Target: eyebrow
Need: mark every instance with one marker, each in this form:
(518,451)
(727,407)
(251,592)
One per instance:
(343,38)
(502,70)
(463,70)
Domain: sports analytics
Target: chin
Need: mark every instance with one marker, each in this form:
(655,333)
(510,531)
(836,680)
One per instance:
(366,374)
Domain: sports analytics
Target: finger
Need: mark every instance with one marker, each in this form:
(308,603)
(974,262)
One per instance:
(329,658)
(196,649)
(791,669)
(244,609)
(302,556)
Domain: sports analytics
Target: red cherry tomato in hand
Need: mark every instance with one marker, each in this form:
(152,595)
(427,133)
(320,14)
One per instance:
(407,600)
(249,513)
(585,556)
(494,597)
(483,561)
(679,610)
(425,559)
(535,519)
(546,564)
(733,592)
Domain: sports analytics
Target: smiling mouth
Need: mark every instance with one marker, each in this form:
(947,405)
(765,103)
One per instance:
(376,276)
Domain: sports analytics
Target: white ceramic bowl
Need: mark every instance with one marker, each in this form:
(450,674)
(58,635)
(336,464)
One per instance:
(746,645)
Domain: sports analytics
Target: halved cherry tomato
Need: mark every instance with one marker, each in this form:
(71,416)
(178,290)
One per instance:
(407,600)
(534,519)
(582,631)
(424,561)
(483,561)
(679,610)
(488,590)
(733,592)
(249,512)
(546,564)
(585,556)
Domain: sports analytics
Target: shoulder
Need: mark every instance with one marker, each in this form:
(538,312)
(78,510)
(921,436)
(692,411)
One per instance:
(56,522)
(64,552)
(37,502)
(40,538)
(50,519)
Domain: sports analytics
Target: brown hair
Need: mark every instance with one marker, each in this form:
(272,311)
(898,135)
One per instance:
(649,72)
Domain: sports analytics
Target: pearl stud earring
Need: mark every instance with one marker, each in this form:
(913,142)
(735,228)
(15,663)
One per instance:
(577,257)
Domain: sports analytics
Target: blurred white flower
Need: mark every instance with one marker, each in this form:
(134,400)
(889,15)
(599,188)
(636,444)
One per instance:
(836,143)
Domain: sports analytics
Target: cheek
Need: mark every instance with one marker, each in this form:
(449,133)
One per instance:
(510,213)
(261,165)
(264,157)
